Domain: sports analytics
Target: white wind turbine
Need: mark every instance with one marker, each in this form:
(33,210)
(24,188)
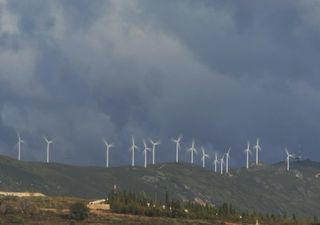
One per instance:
(132,149)
(288,158)
(248,152)
(203,158)
(257,147)
(227,160)
(178,145)
(222,163)
(49,142)
(216,162)
(192,150)
(145,151)
(20,141)
(154,144)
(108,146)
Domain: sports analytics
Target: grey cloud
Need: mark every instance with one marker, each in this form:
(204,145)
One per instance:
(248,37)
(221,72)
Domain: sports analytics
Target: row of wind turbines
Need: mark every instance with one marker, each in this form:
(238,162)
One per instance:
(223,161)
(21,141)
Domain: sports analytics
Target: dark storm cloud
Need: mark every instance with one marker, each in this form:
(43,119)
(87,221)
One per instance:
(268,38)
(222,72)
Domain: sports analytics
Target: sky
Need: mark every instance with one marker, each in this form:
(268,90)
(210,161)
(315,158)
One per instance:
(222,72)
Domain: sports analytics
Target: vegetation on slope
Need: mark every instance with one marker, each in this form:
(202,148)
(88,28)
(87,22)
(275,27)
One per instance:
(266,188)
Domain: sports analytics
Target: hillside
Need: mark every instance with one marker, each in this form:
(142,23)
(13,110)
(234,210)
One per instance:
(266,188)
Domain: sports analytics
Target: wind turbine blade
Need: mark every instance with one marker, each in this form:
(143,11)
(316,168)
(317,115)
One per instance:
(286,150)
(132,139)
(144,143)
(151,141)
(202,150)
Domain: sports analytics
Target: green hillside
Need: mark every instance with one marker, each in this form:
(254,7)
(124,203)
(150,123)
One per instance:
(266,188)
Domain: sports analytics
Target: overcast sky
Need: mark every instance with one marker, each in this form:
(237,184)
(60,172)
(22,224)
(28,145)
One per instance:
(223,72)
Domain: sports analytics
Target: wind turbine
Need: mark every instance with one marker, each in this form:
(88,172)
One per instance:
(49,142)
(192,150)
(247,151)
(132,149)
(145,151)
(221,163)
(203,158)
(227,160)
(20,141)
(178,145)
(288,158)
(257,147)
(108,146)
(154,144)
(216,162)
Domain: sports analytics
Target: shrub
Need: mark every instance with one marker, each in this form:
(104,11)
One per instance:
(27,207)
(79,211)
(7,208)
(16,219)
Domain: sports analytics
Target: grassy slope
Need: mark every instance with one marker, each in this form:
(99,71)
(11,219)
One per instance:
(265,188)
(55,210)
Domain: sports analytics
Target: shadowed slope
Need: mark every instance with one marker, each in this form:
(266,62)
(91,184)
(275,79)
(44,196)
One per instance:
(266,188)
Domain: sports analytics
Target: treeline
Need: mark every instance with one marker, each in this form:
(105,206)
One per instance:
(140,204)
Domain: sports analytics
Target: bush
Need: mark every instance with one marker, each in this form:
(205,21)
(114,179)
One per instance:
(27,207)
(79,211)
(7,208)
(16,219)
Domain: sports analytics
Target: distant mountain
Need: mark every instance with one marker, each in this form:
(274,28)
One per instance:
(265,188)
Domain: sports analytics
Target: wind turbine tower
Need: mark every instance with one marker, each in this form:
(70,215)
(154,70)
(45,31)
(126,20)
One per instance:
(178,145)
(227,160)
(192,150)
(20,141)
(257,147)
(203,158)
(154,144)
(108,146)
(216,162)
(288,158)
(221,164)
(145,151)
(132,149)
(248,152)
(49,142)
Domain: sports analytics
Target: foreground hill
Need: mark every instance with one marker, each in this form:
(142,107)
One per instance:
(266,188)
(56,210)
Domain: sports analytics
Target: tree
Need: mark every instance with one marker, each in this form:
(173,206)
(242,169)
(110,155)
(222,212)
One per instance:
(294,217)
(167,198)
(79,211)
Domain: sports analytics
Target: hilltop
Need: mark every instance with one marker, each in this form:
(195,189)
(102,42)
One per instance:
(264,188)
